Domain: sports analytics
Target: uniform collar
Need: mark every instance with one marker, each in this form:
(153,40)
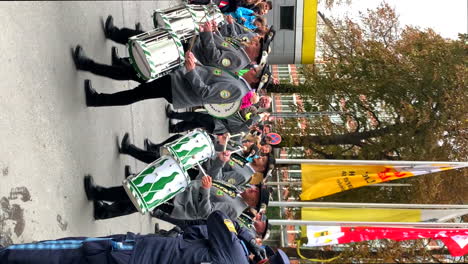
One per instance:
(246,83)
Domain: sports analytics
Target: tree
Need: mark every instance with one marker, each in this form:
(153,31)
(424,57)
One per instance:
(400,93)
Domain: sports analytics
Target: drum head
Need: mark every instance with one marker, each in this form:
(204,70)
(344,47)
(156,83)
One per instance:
(223,110)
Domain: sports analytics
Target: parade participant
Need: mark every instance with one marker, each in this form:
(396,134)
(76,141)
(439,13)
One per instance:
(196,229)
(252,98)
(233,124)
(248,17)
(236,173)
(189,86)
(222,246)
(198,200)
(209,49)
(252,225)
(229,53)
(151,151)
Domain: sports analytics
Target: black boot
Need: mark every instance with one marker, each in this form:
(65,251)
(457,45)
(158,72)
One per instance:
(90,188)
(125,144)
(138,27)
(82,62)
(128,171)
(98,209)
(119,208)
(170,111)
(109,28)
(150,146)
(91,96)
(116,60)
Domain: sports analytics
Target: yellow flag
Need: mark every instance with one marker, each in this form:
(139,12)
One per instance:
(362,214)
(323,180)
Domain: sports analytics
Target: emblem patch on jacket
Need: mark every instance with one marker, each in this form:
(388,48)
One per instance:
(217,72)
(225,94)
(228,223)
(232,181)
(219,193)
(225,44)
(226,62)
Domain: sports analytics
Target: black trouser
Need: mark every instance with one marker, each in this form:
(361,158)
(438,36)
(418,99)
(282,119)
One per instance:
(122,35)
(159,88)
(192,120)
(141,154)
(148,156)
(121,72)
(122,205)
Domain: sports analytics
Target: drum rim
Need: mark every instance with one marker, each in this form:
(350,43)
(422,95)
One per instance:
(133,62)
(225,116)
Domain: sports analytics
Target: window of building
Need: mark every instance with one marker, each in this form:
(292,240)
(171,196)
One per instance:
(287,17)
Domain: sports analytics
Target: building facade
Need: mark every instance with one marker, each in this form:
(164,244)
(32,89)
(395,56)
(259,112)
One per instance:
(295,23)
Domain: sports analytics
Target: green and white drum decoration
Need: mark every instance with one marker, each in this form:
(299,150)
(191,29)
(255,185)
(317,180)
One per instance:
(179,19)
(193,148)
(155,53)
(157,183)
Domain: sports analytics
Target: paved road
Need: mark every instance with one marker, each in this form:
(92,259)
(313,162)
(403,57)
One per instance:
(48,138)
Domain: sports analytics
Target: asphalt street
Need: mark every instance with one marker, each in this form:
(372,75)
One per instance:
(49,139)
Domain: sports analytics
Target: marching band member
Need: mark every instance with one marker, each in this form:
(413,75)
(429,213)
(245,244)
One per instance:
(198,200)
(222,245)
(188,86)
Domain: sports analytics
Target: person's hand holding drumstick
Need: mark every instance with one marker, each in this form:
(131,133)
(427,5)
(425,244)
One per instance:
(189,61)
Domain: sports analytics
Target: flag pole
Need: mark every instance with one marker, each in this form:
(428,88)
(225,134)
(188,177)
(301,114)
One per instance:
(297,183)
(350,223)
(367,162)
(367,205)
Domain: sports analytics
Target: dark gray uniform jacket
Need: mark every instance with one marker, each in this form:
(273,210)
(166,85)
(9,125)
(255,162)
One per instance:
(197,202)
(205,85)
(212,49)
(236,30)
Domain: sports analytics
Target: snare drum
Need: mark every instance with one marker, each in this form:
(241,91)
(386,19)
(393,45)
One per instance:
(195,147)
(155,53)
(157,183)
(179,19)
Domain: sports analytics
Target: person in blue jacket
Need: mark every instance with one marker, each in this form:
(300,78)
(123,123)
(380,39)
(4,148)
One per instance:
(222,246)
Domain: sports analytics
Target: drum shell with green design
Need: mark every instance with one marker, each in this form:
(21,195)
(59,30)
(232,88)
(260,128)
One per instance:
(194,148)
(160,181)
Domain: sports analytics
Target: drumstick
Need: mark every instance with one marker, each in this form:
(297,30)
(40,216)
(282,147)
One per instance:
(192,42)
(235,151)
(242,134)
(227,139)
(201,169)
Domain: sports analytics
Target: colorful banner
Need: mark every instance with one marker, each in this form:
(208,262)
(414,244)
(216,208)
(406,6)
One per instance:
(456,239)
(323,180)
(379,215)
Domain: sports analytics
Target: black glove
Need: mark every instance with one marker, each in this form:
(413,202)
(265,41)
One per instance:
(258,251)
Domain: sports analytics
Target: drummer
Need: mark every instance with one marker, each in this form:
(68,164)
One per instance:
(228,53)
(188,86)
(237,171)
(199,199)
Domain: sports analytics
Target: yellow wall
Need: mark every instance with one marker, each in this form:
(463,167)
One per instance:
(309,31)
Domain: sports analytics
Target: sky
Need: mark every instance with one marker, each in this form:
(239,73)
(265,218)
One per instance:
(446,17)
